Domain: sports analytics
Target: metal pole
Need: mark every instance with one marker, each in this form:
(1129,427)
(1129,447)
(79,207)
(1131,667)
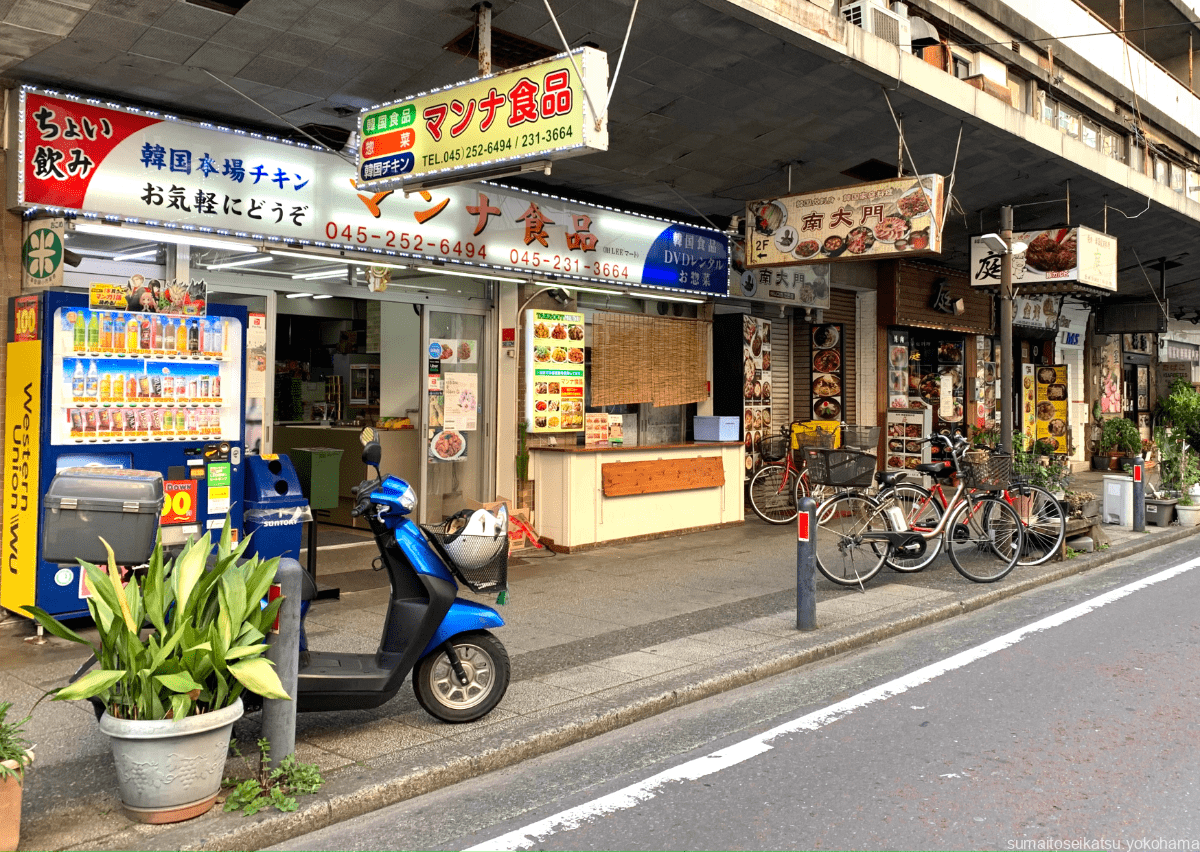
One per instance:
(483,25)
(283,649)
(1139,495)
(806,580)
(1006,321)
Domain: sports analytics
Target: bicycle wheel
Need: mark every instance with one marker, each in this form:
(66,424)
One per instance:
(922,511)
(773,494)
(1044,520)
(984,538)
(843,556)
(805,488)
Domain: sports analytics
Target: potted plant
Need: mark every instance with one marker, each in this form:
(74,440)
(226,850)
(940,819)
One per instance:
(1189,512)
(1119,438)
(16,753)
(177,648)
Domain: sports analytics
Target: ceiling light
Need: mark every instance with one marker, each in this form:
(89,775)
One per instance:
(241,261)
(298,295)
(175,237)
(133,255)
(323,296)
(481,275)
(329,273)
(331,259)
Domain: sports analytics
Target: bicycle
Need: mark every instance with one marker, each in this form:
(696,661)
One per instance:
(776,489)
(857,533)
(1044,522)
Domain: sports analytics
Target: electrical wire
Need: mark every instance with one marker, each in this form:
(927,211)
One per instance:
(1077,35)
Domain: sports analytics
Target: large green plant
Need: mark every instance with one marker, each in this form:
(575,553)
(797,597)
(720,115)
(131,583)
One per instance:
(1119,434)
(1180,408)
(205,638)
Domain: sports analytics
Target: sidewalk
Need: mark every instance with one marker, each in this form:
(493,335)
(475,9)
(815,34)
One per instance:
(597,640)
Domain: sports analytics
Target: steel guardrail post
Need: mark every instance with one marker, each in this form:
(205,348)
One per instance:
(283,649)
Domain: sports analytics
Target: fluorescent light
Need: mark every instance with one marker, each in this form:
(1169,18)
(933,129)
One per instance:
(329,273)
(331,259)
(136,254)
(636,294)
(322,296)
(242,261)
(482,275)
(298,295)
(176,237)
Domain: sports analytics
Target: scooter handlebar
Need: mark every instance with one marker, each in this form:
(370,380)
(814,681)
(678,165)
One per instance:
(362,492)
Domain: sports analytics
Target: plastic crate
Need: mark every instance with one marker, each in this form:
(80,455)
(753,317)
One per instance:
(841,468)
(863,438)
(986,471)
(490,577)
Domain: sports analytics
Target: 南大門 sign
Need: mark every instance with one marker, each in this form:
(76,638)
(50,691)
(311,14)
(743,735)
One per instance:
(537,112)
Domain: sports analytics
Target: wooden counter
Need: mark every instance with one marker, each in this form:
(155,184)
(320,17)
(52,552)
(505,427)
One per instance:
(592,495)
(401,457)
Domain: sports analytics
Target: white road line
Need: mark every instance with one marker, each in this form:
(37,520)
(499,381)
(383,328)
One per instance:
(523,838)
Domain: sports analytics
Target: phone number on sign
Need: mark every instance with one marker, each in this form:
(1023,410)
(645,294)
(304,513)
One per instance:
(523,141)
(405,241)
(565,263)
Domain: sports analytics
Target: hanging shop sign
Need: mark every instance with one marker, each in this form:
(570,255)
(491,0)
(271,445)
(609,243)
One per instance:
(1052,258)
(875,220)
(538,112)
(800,286)
(42,254)
(145,168)
(554,353)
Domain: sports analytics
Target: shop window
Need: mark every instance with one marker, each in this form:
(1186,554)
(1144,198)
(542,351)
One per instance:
(1136,157)
(1176,177)
(1068,121)
(1193,185)
(1160,170)
(1112,144)
(1049,109)
(962,67)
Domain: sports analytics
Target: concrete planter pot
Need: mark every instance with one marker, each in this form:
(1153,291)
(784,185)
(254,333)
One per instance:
(10,804)
(1189,516)
(170,770)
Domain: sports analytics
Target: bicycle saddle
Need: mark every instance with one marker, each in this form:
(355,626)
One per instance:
(887,479)
(936,468)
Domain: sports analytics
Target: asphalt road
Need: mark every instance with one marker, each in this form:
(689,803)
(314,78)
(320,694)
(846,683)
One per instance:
(1063,718)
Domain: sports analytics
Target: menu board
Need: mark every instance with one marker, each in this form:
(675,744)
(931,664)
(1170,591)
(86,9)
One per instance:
(554,354)
(1028,404)
(903,434)
(595,429)
(756,351)
(987,384)
(898,369)
(1050,409)
(827,372)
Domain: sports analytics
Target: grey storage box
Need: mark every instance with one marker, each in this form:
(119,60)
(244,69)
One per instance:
(717,428)
(84,503)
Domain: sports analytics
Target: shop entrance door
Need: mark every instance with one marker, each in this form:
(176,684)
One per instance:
(458,414)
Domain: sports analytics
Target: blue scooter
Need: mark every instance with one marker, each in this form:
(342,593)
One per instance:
(460,670)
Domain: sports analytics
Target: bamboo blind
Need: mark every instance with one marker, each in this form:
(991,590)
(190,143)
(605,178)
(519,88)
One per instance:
(639,358)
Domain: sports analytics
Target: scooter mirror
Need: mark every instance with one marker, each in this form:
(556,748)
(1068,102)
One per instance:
(372,453)
(367,435)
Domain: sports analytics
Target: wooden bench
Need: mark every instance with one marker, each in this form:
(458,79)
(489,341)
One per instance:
(1082,526)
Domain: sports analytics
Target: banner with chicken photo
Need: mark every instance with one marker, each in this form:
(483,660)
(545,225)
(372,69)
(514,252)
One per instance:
(756,350)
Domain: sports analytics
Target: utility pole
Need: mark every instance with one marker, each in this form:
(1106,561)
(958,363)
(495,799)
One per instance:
(1006,321)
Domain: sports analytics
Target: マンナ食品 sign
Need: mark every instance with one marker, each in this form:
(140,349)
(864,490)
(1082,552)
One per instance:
(536,112)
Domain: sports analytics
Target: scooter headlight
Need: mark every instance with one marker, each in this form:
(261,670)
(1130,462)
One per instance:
(408,499)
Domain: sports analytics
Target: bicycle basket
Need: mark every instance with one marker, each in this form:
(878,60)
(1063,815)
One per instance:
(986,471)
(811,436)
(484,567)
(840,468)
(863,438)
(774,448)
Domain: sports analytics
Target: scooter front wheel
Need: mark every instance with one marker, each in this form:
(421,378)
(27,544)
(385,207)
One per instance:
(485,666)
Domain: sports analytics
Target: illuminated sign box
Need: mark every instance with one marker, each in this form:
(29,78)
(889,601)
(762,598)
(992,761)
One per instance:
(538,112)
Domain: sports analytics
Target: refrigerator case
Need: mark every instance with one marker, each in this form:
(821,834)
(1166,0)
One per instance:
(165,395)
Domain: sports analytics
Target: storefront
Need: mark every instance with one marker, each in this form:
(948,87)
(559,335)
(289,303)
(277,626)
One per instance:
(937,363)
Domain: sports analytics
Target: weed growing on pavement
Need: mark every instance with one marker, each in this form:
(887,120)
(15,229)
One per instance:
(1072,553)
(272,787)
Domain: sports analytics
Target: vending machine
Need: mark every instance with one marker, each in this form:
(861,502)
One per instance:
(92,382)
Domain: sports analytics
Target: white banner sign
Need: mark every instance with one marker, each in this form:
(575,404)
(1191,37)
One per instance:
(1052,256)
(148,168)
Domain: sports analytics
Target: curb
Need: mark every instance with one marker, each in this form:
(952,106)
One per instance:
(331,808)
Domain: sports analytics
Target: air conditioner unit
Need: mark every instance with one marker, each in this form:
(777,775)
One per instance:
(880,22)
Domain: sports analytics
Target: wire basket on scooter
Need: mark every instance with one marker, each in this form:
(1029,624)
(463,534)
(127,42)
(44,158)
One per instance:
(479,561)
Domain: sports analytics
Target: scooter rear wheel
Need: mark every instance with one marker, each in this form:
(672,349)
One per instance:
(445,697)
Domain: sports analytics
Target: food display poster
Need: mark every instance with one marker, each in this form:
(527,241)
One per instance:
(595,429)
(175,298)
(460,401)
(897,370)
(987,380)
(951,378)
(756,362)
(881,219)
(1050,396)
(554,354)
(1028,403)
(827,373)
(903,432)
(1059,254)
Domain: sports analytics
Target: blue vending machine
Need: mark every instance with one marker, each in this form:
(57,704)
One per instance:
(110,386)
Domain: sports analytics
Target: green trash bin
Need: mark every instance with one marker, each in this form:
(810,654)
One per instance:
(318,469)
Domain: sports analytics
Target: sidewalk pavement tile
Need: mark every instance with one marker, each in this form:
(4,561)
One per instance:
(586,680)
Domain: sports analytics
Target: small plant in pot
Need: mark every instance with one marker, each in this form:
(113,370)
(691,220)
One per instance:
(1119,438)
(16,753)
(177,649)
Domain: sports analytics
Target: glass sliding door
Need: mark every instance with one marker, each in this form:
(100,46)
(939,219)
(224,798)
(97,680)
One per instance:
(458,414)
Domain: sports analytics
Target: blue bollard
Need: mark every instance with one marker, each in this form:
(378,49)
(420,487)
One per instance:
(806,580)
